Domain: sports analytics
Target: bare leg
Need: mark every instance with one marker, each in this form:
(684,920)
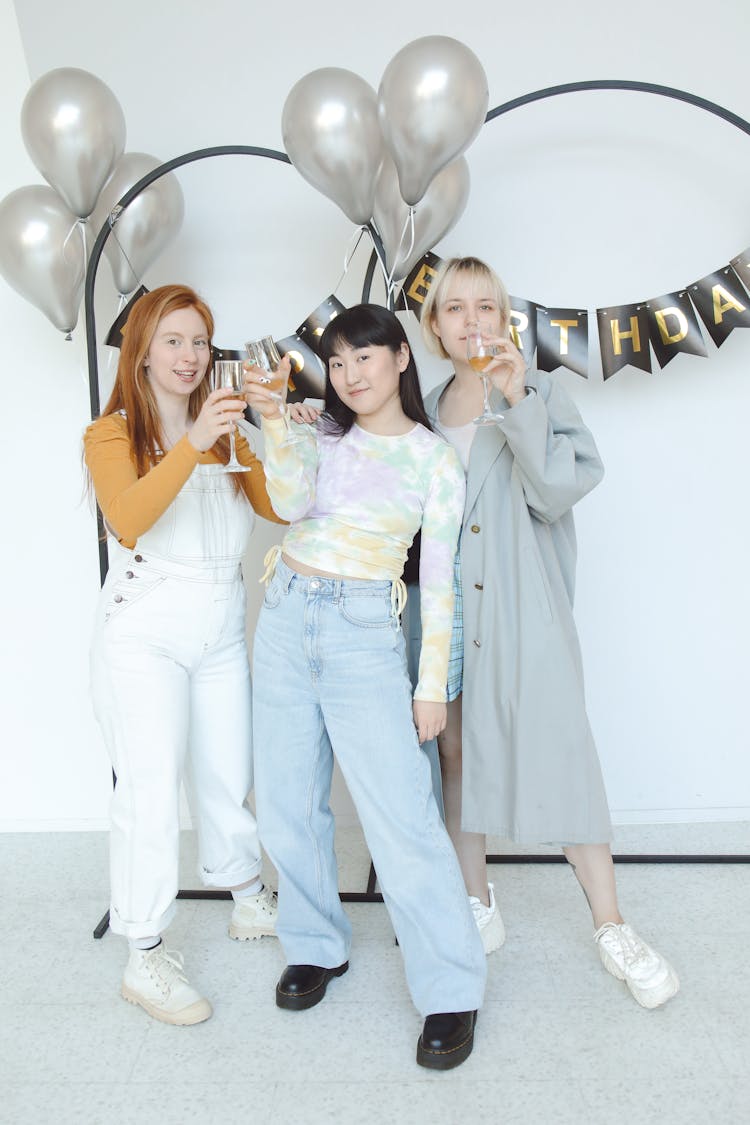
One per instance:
(595,871)
(470,846)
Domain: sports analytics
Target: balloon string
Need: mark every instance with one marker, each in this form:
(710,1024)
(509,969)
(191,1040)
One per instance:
(381,259)
(112,218)
(350,253)
(398,256)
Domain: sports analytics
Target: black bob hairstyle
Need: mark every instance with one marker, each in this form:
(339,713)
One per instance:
(364,326)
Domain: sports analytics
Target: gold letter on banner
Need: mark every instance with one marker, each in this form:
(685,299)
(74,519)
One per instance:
(416,285)
(620,346)
(522,326)
(721,303)
(668,337)
(618,336)
(562,340)
(719,309)
(519,323)
(673,311)
(564,325)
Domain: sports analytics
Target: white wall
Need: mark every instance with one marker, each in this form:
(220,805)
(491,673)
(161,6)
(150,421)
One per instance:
(588,199)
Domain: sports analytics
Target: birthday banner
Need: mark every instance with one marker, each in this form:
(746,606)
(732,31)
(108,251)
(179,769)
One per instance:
(628,334)
(646,335)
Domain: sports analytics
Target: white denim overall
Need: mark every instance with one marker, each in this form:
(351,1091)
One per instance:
(171,688)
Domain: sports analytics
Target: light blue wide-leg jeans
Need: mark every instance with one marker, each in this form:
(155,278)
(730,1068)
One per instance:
(329,676)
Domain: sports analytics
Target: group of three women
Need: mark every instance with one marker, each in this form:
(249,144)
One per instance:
(170,670)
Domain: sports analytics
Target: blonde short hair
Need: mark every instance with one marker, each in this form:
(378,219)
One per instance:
(480,274)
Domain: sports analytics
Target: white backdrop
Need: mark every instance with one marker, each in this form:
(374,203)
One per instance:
(587,199)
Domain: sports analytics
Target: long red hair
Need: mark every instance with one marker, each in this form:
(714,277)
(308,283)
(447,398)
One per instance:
(132,392)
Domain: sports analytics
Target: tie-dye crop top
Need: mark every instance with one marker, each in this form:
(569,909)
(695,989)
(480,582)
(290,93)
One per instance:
(356,501)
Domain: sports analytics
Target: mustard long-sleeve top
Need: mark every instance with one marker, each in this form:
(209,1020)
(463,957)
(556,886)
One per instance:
(132,504)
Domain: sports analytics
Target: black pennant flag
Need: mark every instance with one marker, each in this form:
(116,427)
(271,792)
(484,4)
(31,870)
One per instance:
(741,266)
(562,339)
(623,338)
(522,327)
(114,336)
(673,327)
(307,378)
(311,329)
(416,284)
(721,302)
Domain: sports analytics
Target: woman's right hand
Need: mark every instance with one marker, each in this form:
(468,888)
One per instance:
(219,415)
(256,390)
(304,413)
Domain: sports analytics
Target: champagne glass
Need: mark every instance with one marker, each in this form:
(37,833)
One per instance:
(480,354)
(264,354)
(229,373)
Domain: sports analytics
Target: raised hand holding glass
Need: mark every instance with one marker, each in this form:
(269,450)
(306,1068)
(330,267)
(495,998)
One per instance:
(480,354)
(264,354)
(229,373)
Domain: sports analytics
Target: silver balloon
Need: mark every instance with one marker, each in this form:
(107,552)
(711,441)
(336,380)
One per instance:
(145,226)
(41,252)
(74,130)
(437,212)
(331,134)
(432,102)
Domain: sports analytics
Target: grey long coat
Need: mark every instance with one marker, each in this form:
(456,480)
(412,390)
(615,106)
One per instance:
(530,768)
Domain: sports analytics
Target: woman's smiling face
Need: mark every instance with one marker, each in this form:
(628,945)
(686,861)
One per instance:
(179,353)
(367,379)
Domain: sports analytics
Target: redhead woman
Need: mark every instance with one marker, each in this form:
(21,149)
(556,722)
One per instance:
(170,674)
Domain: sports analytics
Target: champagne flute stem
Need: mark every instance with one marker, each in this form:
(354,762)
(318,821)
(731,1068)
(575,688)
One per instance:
(486,389)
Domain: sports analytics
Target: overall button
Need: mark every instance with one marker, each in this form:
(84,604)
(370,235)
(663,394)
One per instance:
(475,528)
(117,598)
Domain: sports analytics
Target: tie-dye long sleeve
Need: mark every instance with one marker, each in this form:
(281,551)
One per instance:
(356,501)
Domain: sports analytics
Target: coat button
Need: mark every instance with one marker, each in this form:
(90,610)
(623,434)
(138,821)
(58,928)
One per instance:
(478,644)
(129,574)
(475,528)
(138,558)
(478,586)
(117,598)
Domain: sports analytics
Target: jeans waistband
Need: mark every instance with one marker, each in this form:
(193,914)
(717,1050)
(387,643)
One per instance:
(336,588)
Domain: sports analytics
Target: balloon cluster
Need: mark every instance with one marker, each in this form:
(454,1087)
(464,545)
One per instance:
(392,159)
(74,131)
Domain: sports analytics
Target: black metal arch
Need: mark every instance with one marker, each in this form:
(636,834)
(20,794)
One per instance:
(273,154)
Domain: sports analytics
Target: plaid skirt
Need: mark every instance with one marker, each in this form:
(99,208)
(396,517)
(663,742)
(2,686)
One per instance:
(456,656)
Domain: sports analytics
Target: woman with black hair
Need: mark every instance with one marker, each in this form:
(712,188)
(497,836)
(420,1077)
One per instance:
(330,677)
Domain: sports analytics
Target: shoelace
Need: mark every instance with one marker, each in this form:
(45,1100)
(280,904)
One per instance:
(633,949)
(165,966)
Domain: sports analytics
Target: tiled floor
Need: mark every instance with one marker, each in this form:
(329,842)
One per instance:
(559,1042)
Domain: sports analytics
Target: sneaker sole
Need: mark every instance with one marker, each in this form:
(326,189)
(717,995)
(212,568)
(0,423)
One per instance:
(196,1013)
(646,997)
(654,997)
(445,1060)
(237,933)
(493,934)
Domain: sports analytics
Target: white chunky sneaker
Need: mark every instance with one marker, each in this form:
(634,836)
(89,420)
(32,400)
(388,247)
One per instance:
(254,916)
(488,920)
(650,978)
(155,979)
